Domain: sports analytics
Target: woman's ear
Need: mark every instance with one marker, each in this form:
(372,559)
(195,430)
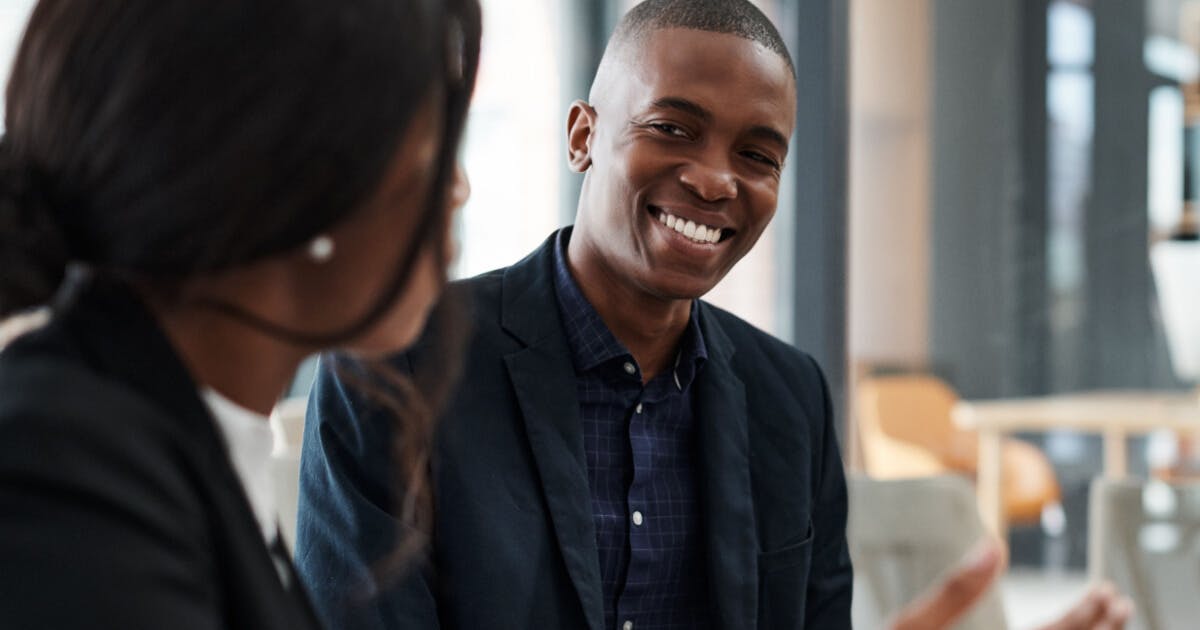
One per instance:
(581,122)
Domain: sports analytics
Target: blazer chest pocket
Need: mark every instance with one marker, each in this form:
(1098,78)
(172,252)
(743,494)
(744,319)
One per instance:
(783,584)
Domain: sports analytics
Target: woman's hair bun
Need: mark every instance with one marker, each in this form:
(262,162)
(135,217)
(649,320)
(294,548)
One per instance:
(33,250)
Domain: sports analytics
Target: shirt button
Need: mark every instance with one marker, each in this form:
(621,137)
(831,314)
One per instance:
(628,625)
(639,408)
(629,368)
(637,518)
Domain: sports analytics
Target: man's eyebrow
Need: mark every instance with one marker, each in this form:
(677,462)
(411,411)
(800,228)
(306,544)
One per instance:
(683,105)
(770,134)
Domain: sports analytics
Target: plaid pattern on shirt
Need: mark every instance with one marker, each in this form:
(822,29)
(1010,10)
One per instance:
(641,456)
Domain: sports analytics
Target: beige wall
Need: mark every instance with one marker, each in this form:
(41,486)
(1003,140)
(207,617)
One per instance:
(890,88)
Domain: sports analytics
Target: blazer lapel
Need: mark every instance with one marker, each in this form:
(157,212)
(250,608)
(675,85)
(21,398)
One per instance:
(543,378)
(727,500)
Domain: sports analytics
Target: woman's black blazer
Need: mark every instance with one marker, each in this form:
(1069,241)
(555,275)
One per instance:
(119,507)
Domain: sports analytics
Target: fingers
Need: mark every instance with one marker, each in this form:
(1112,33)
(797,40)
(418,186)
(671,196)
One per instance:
(1120,614)
(1115,609)
(1101,609)
(946,602)
(1084,614)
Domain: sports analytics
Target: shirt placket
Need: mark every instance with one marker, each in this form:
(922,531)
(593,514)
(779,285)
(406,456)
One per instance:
(637,499)
(643,552)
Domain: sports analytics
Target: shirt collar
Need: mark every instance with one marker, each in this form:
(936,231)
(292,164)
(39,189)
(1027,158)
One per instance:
(593,344)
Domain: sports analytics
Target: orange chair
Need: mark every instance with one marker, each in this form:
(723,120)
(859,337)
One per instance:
(905,430)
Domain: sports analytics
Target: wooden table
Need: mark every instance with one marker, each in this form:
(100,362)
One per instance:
(1113,414)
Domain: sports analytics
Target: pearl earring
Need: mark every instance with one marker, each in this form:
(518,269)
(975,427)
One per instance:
(320,249)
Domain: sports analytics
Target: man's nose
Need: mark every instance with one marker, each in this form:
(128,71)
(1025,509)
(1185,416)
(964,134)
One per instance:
(710,180)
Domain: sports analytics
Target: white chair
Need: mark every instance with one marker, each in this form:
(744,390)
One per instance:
(1143,537)
(287,423)
(904,536)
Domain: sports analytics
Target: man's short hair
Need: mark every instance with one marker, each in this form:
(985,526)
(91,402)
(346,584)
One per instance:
(734,17)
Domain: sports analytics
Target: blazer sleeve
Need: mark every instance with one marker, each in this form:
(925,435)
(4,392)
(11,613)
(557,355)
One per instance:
(831,579)
(346,526)
(99,525)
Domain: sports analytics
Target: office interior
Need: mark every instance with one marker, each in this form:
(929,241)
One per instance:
(988,237)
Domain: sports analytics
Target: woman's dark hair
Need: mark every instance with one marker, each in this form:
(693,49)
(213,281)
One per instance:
(155,140)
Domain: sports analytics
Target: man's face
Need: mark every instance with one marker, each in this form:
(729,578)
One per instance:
(685,150)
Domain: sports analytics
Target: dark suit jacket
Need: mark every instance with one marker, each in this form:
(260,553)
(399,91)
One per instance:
(514,545)
(119,507)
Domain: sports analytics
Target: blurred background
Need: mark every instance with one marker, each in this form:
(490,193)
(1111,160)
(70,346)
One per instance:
(987,237)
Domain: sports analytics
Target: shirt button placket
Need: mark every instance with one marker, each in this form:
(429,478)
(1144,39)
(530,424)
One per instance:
(636,427)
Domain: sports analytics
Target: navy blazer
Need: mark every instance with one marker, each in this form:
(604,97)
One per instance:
(514,544)
(119,505)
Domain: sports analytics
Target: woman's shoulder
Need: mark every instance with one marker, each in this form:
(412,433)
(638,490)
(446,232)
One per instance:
(63,419)
(43,377)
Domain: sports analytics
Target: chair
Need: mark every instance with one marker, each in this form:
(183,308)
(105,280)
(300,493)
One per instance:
(904,535)
(1145,538)
(287,423)
(905,430)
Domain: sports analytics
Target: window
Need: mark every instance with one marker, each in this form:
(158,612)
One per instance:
(515,143)
(13,16)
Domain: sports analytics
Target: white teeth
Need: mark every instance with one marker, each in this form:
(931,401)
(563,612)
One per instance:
(697,232)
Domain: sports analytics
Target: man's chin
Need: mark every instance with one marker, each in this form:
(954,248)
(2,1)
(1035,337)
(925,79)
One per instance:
(682,287)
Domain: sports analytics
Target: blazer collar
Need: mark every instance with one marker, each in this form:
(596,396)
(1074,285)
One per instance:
(529,305)
(118,335)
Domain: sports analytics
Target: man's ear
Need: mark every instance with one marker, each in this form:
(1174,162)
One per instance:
(581,122)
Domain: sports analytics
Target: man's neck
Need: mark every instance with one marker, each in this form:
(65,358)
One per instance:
(649,327)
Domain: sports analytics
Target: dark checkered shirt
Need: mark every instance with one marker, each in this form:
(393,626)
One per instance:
(641,455)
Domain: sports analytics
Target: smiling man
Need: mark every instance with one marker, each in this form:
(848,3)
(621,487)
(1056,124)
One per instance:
(619,454)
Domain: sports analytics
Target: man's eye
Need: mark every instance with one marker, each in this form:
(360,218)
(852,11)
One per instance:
(669,129)
(759,157)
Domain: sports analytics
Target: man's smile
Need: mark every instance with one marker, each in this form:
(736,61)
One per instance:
(694,231)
